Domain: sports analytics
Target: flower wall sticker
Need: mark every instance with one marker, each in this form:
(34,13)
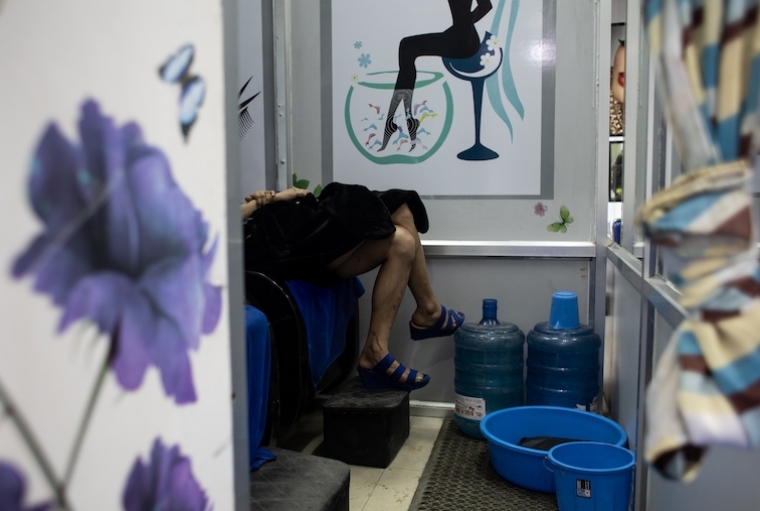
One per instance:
(565,220)
(540,209)
(12,490)
(166,481)
(122,246)
(364,60)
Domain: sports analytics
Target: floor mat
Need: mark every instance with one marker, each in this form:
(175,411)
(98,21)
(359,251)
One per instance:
(459,477)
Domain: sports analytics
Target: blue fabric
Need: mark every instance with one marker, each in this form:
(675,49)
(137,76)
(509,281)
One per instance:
(258,360)
(326,311)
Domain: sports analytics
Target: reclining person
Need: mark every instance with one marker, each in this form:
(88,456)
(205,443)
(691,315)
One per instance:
(349,231)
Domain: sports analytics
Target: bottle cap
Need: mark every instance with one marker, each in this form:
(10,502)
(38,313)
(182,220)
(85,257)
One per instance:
(564,311)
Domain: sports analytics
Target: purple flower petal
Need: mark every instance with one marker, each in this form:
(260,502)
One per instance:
(12,490)
(170,355)
(213,294)
(166,482)
(145,338)
(167,218)
(89,295)
(133,354)
(53,181)
(208,258)
(122,245)
(175,288)
(57,267)
(213,307)
(103,151)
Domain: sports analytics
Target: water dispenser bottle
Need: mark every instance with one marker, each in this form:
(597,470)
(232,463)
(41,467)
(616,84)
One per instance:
(488,361)
(563,358)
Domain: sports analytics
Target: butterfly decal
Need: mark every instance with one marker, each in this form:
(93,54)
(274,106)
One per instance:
(176,69)
(245,122)
(564,215)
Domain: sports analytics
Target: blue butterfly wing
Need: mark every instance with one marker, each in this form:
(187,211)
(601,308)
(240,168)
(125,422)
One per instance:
(193,93)
(177,65)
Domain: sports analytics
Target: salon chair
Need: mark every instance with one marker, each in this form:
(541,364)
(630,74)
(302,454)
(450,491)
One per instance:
(291,386)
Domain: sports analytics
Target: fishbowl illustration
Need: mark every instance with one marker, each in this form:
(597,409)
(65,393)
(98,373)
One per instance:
(366,110)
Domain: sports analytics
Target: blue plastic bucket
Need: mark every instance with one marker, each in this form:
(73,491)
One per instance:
(592,476)
(524,466)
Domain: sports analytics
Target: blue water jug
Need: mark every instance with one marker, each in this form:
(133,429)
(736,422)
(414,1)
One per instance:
(563,358)
(488,361)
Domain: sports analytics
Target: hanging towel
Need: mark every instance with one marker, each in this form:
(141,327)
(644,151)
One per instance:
(326,311)
(706,388)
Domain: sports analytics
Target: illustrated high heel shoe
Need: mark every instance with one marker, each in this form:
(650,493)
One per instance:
(390,129)
(412,124)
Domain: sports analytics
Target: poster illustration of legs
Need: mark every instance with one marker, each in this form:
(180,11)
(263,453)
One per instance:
(440,96)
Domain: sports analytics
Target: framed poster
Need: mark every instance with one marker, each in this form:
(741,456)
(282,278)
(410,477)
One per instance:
(425,98)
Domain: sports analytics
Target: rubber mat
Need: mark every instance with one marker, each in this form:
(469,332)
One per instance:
(459,477)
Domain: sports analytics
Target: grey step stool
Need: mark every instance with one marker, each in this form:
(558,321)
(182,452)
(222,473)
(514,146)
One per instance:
(300,482)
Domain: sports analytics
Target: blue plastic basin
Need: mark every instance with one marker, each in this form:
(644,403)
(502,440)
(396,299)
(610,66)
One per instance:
(524,466)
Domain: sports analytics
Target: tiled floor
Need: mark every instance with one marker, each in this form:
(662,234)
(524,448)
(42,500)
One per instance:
(392,489)
(377,489)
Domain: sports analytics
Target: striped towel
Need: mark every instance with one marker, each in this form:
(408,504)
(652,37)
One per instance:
(708,62)
(706,388)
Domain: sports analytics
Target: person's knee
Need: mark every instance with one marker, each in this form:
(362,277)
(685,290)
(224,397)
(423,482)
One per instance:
(403,244)
(403,216)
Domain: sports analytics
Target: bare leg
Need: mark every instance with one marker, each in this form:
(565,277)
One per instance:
(396,255)
(428,307)
(403,264)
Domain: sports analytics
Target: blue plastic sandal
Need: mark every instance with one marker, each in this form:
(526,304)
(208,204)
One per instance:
(377,378)
(448,323)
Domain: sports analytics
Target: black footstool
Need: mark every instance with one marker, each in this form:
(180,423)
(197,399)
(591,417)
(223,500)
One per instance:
(365,427)
(300,482)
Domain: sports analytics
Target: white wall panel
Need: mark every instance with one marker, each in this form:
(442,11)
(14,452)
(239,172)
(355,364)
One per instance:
(622,350)
(53,57)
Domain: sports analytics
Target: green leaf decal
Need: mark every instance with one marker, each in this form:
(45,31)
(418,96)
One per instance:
(317,191)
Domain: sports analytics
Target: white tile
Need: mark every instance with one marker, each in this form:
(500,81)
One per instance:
(394,490)
(415,452)
(363,482)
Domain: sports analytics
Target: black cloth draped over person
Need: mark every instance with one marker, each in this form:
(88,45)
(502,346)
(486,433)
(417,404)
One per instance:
(298,239)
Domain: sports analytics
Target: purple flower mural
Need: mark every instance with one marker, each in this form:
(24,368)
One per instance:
(166,481)
(122,246)
(12,490)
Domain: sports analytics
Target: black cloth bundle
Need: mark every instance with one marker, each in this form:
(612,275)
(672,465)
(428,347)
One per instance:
(297,239)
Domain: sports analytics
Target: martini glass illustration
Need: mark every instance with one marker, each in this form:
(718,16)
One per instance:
(475,70)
